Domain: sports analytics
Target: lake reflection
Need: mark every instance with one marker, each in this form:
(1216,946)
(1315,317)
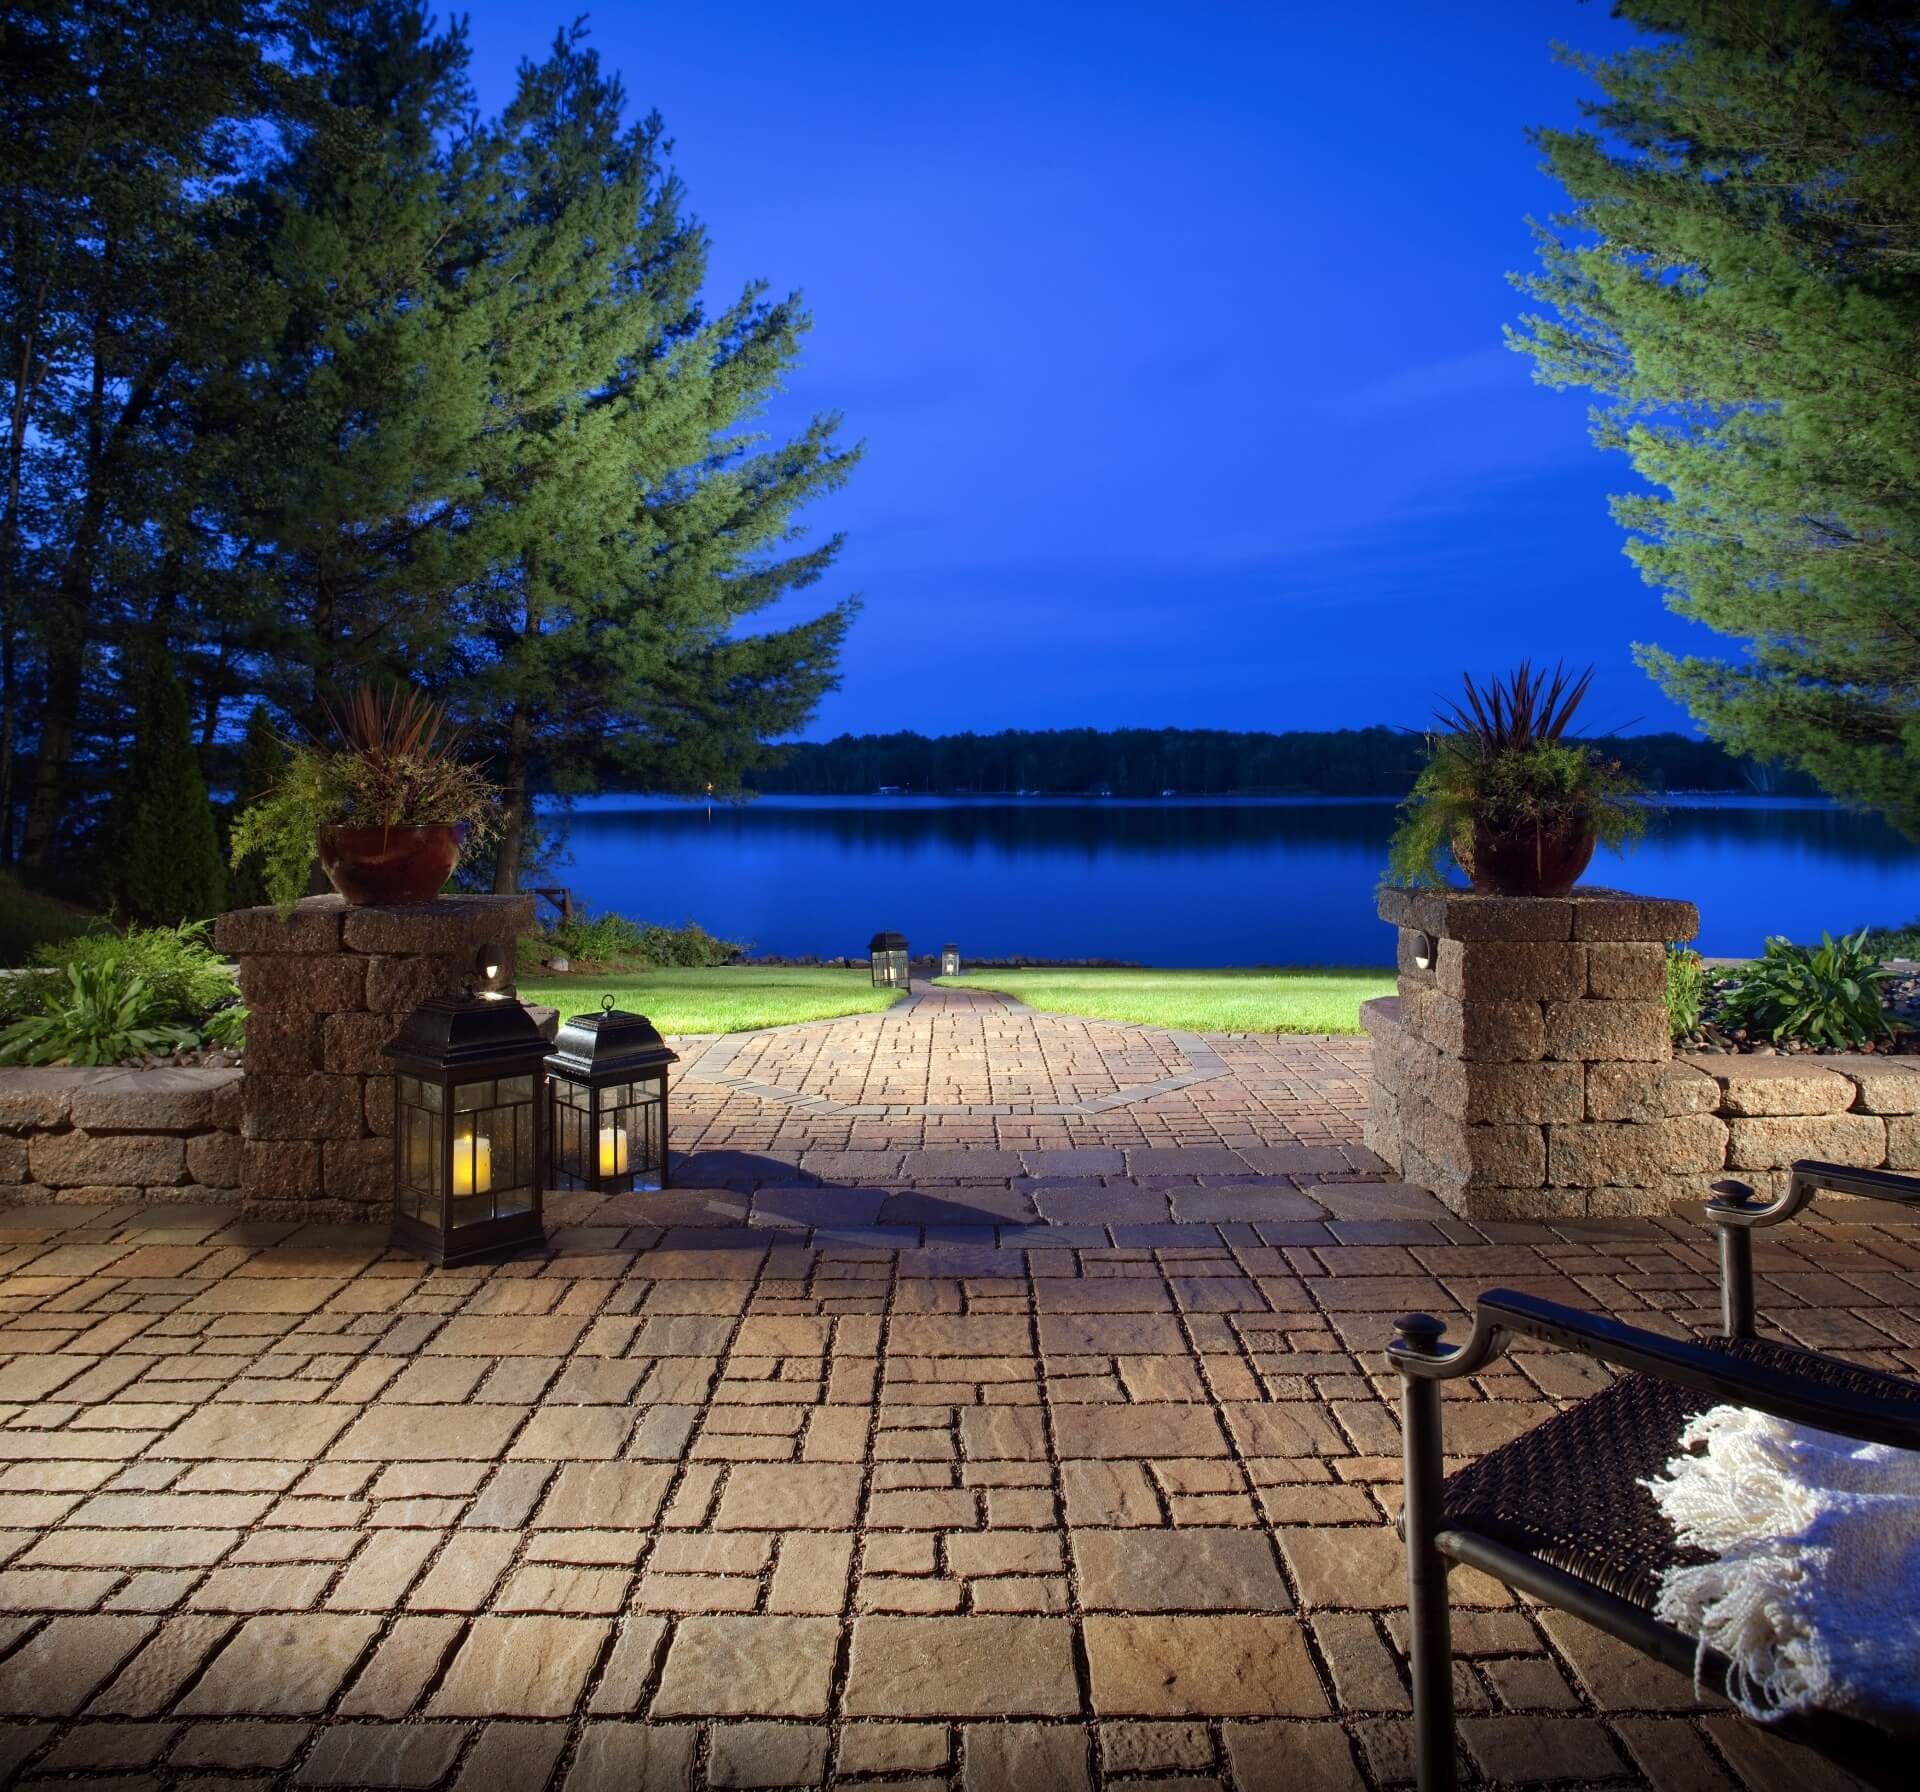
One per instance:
(1184,881)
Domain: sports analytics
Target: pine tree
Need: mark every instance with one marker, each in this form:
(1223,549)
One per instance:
(354,440)
(633,524)
(1740,276)
(263,758)
(161,854)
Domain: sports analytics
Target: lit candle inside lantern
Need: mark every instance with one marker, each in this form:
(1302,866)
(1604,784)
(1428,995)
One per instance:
(472,1163)
(613,1151)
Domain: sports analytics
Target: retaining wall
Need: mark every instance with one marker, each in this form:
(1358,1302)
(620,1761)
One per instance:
(113,1135)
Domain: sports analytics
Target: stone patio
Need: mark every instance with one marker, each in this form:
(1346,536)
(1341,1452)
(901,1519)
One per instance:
(938,1438)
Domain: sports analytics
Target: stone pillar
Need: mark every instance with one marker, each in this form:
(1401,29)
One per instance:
(325,990)
(1526,1070)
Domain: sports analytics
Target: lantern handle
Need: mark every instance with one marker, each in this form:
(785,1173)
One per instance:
(606,1004)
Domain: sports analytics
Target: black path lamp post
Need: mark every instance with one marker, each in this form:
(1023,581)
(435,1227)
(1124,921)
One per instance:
(889,954)
(607,1102)
(949,960)
(469,1149)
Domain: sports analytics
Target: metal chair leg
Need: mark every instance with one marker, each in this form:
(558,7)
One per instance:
(1430,1648)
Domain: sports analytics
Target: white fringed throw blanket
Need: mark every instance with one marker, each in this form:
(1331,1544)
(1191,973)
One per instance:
(1815,1598)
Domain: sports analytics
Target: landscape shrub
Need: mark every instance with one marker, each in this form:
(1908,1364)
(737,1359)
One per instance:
(165,980)
(1895,942)
(1825,995)
(613,939)
(1686,990)
(95,1014)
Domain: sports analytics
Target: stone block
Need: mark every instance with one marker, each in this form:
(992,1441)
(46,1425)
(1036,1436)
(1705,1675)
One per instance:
(214,1158)
(351,1044)
(314,926)
(75,1159)
(1752,1086)
(280,988)
(1600,1154)
(302,1107)
(37,1100)
(13,1159)
(1649,1091)
(1536,1092)
(1510,1156)
(1468,915)
(1626,971)
(1393,903)
(1608,1031)
(280,1170)
(1903,1142)
(1614,915)
(1483,1032)
(1885,1085)
(1776,1141)
(376,1106)
(162,1100)
(357,1170)
(399,985)
(1512,970)
(448,927)
(282,1044)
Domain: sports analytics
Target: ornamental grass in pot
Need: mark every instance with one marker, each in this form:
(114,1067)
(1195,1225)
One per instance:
(386,805)
(1517,804)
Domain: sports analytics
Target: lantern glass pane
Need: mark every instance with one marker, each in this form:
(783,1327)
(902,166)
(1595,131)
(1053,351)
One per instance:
(493,1168)
(419,1171)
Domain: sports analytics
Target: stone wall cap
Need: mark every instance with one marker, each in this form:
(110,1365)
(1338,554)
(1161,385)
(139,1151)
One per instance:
(1594,913)
(447,925)
(314,926)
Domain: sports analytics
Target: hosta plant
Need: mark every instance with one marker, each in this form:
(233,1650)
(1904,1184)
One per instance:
(1826,995)
(104,1014)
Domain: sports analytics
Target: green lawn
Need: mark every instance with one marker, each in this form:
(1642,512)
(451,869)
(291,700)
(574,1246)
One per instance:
(1224,1001)
(726,999)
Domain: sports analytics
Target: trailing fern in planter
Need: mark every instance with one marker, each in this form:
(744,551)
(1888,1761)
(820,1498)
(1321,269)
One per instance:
(1826,995)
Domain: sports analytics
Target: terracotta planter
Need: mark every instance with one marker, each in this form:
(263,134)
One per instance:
(390,865)
(1538,860)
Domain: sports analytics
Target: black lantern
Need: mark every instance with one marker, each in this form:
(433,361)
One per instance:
(607,1102)
(889,954)
(949,960)
(469,1155)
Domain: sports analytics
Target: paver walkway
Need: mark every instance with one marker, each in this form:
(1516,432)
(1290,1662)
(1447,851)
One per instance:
(966,1068)
(1035,1482)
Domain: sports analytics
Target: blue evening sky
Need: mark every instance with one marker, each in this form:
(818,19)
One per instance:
(1173,332)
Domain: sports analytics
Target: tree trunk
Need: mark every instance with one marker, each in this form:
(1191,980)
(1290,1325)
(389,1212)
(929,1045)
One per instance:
(513,827)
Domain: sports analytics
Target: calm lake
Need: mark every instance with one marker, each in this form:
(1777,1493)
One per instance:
(1181,881)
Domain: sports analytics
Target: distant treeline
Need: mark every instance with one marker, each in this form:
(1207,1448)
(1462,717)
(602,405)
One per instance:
(1196,762)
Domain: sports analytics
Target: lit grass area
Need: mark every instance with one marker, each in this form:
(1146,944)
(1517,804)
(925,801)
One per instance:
(724,999)
(1313,1000)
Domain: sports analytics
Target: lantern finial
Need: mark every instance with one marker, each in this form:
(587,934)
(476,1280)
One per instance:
(606,1004)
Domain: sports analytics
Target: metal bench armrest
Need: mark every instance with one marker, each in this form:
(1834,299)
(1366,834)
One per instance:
(1737,1213)
(1500,1316)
